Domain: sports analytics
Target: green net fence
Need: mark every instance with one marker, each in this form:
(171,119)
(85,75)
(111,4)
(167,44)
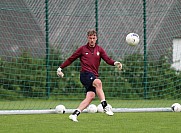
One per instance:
(36,36)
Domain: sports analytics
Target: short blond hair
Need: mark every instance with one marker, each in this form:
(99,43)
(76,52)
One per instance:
(91,32)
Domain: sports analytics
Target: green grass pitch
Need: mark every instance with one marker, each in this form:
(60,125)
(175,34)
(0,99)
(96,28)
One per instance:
(150,122)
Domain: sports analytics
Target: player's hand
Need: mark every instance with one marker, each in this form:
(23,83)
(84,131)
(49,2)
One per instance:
(59,72)
(118,65)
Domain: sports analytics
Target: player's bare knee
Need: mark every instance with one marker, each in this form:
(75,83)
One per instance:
(97,83)
(90,96)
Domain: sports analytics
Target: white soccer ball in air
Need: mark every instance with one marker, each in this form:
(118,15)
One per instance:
(176,107)
(92,108)
(60,109)
(100,108)
(132,39)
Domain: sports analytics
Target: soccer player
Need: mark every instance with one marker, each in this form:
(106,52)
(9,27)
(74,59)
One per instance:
(90,56)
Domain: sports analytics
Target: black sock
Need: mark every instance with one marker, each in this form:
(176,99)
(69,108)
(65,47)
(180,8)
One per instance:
(104,104)
(76,112)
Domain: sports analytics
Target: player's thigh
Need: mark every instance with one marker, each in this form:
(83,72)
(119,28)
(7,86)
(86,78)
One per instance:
(87,78)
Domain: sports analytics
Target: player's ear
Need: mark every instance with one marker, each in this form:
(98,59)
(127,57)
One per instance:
(96,38)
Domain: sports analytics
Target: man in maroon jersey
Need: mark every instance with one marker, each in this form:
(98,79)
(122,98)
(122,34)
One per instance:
(90,56)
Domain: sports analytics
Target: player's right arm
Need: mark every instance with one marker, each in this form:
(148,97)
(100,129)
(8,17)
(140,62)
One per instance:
(59,72)
(71,59)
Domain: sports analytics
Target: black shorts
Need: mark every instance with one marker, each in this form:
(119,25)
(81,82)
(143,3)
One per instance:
(87,79)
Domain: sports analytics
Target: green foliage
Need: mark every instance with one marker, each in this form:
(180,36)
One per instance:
(25,76)
(162,80)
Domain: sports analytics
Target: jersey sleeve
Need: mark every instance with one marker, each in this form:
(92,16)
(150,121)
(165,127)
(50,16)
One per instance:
(72,58)
(106,58)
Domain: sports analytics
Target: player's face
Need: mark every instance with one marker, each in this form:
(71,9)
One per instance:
(92,40)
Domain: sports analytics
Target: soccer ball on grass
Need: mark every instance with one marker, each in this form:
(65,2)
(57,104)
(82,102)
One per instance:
(176,107)
(132,39)
(92,108)
(60,109)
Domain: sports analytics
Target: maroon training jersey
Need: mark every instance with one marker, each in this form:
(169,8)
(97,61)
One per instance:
(90,58)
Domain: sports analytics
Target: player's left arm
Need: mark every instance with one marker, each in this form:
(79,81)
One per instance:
(110,61)
(118,65)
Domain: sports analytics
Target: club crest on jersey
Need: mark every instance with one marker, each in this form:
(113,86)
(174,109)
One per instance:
(86,53)
(98,53)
